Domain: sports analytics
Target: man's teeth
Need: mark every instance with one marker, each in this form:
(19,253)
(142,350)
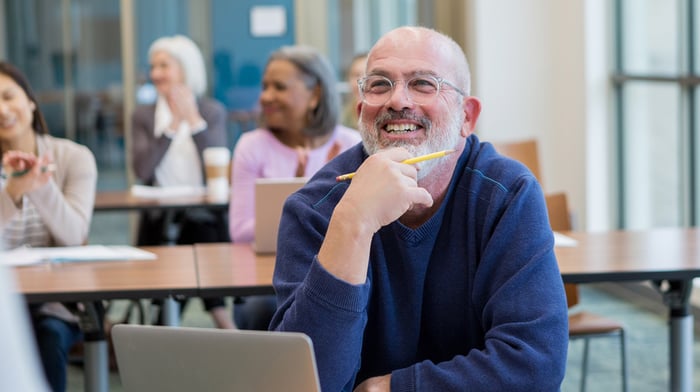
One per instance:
(401,127)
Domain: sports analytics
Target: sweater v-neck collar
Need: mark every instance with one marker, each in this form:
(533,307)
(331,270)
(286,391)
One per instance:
(429,229)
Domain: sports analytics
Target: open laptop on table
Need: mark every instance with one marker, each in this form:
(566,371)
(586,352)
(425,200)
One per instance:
(158,358)
(270,194)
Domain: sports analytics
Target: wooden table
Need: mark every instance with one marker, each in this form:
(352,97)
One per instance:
(668,256)
(173,273)
(125,201)
(671,256)
(233,269)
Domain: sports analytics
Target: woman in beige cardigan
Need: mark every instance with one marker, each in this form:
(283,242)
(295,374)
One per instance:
(47,193)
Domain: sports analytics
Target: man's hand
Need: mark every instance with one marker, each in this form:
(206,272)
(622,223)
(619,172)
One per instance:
(375,384)
(382,190)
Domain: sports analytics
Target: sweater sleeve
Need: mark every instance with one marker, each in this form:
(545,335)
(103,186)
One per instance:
(214,114)
(311,300)
(146,150)
(8,209)
(66,207)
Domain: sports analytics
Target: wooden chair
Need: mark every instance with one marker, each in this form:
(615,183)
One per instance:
(524,151)
(584,325)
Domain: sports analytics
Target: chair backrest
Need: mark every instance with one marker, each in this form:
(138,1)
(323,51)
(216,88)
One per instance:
(560,220)
(558,210)
(524,151)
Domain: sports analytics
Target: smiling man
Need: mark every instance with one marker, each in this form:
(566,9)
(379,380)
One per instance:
(438,276)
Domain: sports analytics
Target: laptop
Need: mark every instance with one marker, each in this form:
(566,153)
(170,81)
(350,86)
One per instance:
(270,194)
(174,359)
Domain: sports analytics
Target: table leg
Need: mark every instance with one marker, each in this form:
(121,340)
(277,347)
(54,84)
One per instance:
(96,365)
(677,296)
(96,350)
(171,312)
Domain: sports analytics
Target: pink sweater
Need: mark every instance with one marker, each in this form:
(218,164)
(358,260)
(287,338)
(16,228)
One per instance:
(258,154)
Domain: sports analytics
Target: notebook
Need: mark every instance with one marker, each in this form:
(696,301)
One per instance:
(159,358)
(270,194)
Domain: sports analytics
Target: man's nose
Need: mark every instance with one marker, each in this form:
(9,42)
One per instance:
(400,97)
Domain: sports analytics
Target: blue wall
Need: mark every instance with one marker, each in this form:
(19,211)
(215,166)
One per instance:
(239,58)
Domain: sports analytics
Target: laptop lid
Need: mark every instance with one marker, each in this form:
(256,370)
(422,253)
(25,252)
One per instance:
(270,194)
(158,358)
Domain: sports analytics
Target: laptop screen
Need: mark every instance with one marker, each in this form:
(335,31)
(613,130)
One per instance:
(270,195)
(158,358)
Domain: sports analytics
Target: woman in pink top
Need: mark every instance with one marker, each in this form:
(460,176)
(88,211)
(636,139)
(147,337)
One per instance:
(300,112)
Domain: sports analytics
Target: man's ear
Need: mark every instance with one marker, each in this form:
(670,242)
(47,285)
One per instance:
(472,109)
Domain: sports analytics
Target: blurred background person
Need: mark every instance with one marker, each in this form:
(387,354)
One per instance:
(169,138)
(355,71)
(300,108)
(47,193)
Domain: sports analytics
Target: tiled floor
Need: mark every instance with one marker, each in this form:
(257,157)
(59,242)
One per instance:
(647,348)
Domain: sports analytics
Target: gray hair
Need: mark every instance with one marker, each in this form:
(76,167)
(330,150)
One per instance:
(186,52)
(316,71)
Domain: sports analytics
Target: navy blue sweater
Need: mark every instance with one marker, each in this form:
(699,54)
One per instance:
(470,301)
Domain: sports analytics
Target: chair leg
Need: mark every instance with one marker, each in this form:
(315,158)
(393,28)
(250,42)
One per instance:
(584,365)
(623,360)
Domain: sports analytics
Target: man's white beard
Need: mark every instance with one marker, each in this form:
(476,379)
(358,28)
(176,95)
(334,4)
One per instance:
(433,143)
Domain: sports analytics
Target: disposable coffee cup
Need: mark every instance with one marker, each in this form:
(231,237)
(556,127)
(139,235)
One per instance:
(216,164)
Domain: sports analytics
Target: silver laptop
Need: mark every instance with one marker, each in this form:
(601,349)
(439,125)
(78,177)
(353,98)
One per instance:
(158,358)
(270,194)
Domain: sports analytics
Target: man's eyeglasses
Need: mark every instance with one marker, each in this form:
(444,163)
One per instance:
(376,90)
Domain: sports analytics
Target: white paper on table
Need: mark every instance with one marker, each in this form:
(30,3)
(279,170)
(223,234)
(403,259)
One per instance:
(160,192)
(65,254)
(563,240)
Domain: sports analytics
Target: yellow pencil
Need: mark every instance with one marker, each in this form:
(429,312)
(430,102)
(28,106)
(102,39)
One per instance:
(409,161)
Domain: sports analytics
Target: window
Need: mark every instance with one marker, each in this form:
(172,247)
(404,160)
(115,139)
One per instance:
(656,82)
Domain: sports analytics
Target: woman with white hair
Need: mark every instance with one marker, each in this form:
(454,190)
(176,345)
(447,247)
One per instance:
(169,138)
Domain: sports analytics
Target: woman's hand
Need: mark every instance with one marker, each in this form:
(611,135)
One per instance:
(25,173)
(183,106)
